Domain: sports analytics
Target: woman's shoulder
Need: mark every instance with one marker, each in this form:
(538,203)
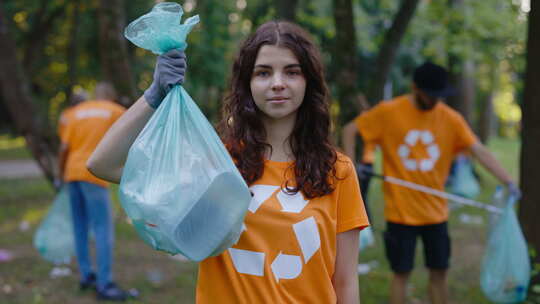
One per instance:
(343,165)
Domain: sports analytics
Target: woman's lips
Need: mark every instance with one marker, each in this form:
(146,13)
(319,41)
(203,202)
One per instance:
(278,100)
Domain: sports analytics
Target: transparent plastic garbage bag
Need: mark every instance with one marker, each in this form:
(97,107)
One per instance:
(463,182)
(160,30)
(367,239)
(54,238)
(506,268)
(179,186)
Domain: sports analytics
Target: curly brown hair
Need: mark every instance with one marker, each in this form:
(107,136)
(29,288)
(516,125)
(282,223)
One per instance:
(243,131)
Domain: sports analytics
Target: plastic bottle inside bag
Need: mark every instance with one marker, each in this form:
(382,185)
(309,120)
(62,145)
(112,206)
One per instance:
(208,215)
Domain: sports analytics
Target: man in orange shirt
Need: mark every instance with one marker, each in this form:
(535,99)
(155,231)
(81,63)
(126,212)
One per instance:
(80,129)
(419,137)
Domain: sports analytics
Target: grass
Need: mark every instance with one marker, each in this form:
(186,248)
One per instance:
(13,148)
(25,279)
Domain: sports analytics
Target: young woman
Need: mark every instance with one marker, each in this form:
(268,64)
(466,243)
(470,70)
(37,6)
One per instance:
(300,242)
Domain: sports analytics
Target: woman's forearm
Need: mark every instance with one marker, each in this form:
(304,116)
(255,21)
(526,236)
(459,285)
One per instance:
(345,279)
(107,160)
(348,292)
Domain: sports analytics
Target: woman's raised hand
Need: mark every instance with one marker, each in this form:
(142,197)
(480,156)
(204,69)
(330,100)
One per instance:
(169,71)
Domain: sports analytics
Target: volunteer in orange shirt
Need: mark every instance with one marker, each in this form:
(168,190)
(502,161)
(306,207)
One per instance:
(81,128)
(300,238)
(419,137)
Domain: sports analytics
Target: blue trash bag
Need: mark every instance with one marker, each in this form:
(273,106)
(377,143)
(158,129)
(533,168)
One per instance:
(179,186)
(54,237)
(506,268)
(366,238)
(463,182)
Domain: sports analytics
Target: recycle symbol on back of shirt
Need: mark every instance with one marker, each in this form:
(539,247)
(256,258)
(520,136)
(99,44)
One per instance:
(284,266)
(411,139)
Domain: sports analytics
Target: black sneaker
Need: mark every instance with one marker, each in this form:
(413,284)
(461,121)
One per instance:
(111,292)
(88,283)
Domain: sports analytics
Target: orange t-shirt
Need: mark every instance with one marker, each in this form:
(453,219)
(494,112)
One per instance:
(81,128)
(287,250)
(62,122)
(417,146)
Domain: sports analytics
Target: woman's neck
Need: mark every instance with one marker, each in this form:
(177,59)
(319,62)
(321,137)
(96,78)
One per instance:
(277,136)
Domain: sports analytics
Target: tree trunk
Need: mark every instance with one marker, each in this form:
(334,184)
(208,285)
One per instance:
(345,58)
(35,41)
(17,99)
(462,78)
(487,119)
(72,50)
(389,49)
(530,163)
(286,9)
(114,57)
(461,68)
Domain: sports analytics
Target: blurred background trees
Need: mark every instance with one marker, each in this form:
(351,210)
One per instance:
(50,47)
(369,46)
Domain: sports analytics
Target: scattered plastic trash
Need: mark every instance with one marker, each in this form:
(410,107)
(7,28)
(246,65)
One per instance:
(366,238)
(5,255)
(365,268)
(58,272)
(154,276)
(7,289)
(133,293)
(471,219)
(24,226)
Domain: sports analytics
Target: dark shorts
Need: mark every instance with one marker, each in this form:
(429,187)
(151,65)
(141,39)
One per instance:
(400,243)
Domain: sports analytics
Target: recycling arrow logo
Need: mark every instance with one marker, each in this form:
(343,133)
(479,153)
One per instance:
(284,266)
(412,138)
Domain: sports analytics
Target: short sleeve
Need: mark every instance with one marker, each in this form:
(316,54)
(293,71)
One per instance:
(63,124)
(118,111)
(465,137)
(350,205)
(370,123)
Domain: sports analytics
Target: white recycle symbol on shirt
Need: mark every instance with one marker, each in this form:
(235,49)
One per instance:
(284,266)
(411,139)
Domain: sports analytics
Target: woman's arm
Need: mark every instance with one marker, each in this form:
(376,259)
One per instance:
(345,278)
(107,161)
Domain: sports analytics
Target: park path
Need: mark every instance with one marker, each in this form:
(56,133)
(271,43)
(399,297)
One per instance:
(25,168)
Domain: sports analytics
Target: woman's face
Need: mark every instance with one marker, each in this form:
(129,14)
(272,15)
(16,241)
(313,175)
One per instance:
(277,84)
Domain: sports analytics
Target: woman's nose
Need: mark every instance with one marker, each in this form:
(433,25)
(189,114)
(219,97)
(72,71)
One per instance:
(277,82)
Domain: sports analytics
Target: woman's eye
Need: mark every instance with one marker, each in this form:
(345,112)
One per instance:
(294,72)
(262,73)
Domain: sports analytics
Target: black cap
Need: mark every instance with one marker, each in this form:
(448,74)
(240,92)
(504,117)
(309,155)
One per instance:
(433,80)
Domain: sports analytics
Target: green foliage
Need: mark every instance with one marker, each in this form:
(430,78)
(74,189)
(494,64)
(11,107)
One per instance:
(490,32)
(486,31)
(534,296)
(211,49)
